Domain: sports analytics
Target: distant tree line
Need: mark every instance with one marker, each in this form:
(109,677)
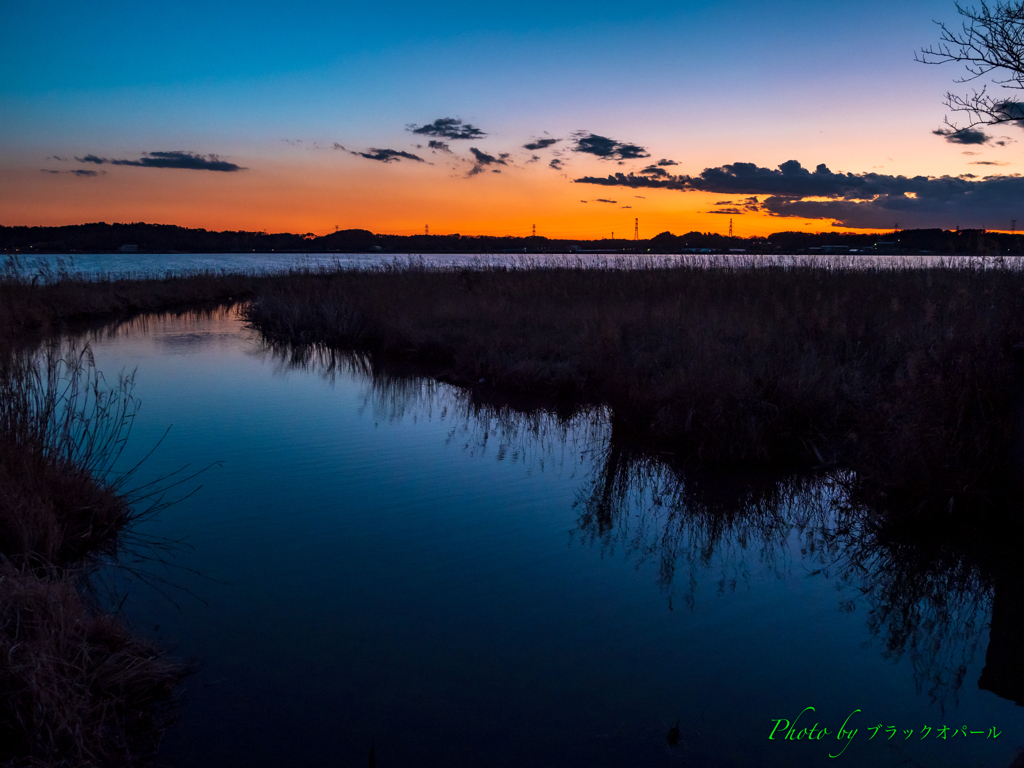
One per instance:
(165,238)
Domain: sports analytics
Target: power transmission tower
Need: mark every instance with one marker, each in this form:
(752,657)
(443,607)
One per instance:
(1013,226)
(730,227)
(534,230)
(426,229)
(636,229)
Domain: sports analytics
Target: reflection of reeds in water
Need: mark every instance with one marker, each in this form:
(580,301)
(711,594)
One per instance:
(923,585)
(532,436)
(75,687)
(925,593)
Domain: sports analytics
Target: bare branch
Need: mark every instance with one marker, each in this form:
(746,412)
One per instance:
(989,43)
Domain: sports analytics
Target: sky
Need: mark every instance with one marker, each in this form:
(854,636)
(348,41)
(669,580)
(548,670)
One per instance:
(582,119)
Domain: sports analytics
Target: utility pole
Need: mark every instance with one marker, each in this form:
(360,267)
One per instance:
(636,228)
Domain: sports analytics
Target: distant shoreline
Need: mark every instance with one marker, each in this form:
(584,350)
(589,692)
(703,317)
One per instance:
(170,239)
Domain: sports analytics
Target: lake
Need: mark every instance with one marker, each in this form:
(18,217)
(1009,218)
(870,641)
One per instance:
(139,265)
(379,561)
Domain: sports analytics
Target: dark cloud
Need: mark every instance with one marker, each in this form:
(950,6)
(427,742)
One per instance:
(986,162)
(963,136)
(602,200)
(339,146)
(483,160)
(639,197)
(556,164)
(533,146)
(730,211)
(388,155)
(607,149)
(663,161)
(448,128)
(55,157)
(724,202)
(865,200)
(439,146)
(177,159)
(655,172)
(1011,110)
(79,172)
(627,206)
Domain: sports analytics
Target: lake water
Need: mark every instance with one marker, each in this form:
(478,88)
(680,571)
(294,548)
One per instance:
(52,266)
(394,563)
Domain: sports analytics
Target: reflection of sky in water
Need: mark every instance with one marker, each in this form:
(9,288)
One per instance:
(384,562)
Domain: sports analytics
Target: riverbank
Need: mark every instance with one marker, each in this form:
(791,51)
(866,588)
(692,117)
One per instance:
(76,687)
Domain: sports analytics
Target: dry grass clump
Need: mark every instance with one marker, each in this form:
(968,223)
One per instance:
(77,688)
(903,374)
(61,430)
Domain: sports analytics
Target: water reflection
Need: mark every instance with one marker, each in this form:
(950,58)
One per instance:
(926,586)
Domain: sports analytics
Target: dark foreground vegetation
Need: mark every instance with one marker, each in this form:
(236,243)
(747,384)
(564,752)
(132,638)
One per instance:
(905,376)
(76,688)
(165,238)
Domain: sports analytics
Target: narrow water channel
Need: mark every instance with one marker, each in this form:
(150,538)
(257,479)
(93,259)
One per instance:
(376,561)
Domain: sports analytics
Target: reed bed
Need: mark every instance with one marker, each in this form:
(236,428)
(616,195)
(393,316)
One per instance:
(42,303)
(903,374)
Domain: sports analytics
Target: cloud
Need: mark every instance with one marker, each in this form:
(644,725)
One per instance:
(533,146)
(388,155)
(627,206)
(865,200)
(556,164)
(1011,110)
(439,146)
(55,157)
(79,172)
(986,162)
(730,211)
(448,128)
(339,146)
(963,136)
(483,160)
(639,197)
(602,200)
(607,149)
(177,159)
(663,161)
(654,171)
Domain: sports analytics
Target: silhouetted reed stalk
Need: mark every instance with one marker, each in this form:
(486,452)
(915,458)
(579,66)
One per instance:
(76,688)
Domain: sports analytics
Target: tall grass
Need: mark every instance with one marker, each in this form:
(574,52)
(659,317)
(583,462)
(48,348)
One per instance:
(903,374)
(76,688)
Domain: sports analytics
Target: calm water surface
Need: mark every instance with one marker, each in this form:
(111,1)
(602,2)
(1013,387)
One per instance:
(51,266)
(384,562)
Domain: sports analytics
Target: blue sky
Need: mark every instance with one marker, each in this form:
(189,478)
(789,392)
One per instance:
(261,83)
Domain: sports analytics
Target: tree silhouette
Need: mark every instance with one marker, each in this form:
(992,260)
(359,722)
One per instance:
(990,42)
